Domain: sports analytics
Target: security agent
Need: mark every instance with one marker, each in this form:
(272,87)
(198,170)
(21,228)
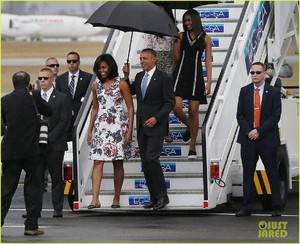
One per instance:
(20,149)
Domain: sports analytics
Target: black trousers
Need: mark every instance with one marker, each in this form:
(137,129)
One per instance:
(250,155)
(33,187)
(150,150)
(53,160)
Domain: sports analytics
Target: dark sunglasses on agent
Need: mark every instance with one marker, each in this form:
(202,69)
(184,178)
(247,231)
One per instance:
(53,65)
(255,72)
(43,77)
(74,61)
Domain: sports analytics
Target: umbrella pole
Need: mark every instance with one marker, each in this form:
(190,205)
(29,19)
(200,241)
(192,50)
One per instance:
(129,47)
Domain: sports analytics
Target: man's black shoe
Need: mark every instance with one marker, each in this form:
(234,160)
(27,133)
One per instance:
(243,213)
(25,215)
(149,205)
(57,214)
(276,213)
(161,203)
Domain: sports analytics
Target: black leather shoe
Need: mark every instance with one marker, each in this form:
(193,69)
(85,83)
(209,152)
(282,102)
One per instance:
(276,213)
(25,215)
(161,203)
(243,213)
(57,214)
(149,205)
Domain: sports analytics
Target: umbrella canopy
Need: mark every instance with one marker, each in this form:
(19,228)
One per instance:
(184,4)
(143,17)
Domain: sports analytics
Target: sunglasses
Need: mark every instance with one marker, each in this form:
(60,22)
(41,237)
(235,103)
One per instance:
(53,65)
(74,61)
(43,77)
(255,72)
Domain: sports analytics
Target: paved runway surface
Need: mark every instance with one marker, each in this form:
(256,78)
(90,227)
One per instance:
(219,225)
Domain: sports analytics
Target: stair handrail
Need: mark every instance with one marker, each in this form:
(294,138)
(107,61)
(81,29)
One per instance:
(213,100)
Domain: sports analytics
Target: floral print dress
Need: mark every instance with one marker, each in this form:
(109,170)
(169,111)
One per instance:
(111,125)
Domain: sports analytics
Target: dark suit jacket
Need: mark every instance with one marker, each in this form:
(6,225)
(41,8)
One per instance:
(158,102)
(269,118)
(59,121)
(22,128)
(62,85)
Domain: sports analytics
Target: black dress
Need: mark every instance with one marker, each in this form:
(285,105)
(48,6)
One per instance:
(188,74)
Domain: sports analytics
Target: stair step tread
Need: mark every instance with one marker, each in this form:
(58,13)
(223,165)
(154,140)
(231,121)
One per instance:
(168,159)
(146,192)
(167,174)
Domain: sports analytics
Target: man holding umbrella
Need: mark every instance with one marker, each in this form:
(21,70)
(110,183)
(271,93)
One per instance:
(155,100)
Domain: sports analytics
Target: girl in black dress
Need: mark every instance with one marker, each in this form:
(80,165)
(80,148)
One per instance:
(188,74)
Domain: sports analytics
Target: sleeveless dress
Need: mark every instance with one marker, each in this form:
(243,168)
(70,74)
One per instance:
(188,74)
(111,125)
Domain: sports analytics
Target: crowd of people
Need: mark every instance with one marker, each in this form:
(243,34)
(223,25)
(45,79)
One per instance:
(159,89)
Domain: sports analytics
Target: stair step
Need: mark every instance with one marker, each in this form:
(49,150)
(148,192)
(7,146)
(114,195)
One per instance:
(178,198)
(138,182)
(174,166)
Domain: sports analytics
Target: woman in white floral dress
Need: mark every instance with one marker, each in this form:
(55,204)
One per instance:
(111,126)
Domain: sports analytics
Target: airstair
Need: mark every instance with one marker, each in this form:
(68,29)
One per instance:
(240,33)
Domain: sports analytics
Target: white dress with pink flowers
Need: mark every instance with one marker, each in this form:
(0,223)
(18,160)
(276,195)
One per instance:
(110,126)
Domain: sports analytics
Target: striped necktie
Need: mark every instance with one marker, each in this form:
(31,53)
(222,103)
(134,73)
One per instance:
(72,85)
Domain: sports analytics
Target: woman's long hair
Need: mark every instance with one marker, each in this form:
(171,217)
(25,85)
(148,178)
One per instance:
(196,21)
(112,66)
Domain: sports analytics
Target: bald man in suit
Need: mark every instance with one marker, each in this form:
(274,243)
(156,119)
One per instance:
(20,149)
(259,137)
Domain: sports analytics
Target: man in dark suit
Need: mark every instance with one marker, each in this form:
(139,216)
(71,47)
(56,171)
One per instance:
(258,114)
(21,150)
(51,63)
(155,100)
(74,83)
(58,123)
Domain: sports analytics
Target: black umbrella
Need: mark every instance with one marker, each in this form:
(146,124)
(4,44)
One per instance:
(189,4)
(143,17)
(184,4)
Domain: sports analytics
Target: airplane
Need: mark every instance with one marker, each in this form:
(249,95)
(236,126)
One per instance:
(47,26)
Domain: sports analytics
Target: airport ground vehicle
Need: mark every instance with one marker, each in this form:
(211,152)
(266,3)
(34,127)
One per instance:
(241,33)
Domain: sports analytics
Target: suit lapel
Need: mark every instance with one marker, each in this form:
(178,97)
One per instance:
(79,84)
(52,96)
(264,102)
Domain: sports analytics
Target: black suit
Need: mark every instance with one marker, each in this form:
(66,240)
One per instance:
(158,102)
(20,150)
(267,144)
(59,123)
(62,85)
